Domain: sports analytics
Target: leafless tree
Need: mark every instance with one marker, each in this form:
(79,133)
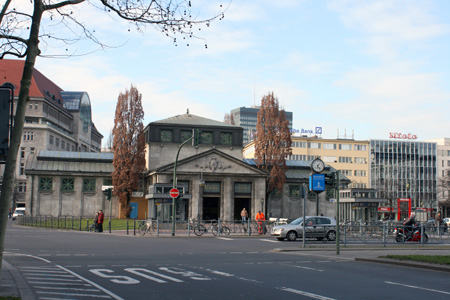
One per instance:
(27,27)
(229,119)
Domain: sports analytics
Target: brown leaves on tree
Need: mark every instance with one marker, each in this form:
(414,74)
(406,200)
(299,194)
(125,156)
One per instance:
(128,146)
(273,142)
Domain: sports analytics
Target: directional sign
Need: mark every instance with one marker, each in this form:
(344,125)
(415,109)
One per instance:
(174,193)
(317,182)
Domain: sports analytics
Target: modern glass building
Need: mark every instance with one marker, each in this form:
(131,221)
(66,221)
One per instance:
(246,117)
(403,170)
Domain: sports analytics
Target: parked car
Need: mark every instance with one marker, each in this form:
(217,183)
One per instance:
(316,227)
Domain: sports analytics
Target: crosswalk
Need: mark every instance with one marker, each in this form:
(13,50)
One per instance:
(57,282)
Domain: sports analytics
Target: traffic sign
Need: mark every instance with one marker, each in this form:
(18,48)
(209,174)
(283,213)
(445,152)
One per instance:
(174,193)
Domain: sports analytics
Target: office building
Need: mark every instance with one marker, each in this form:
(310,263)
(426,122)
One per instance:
(247,117)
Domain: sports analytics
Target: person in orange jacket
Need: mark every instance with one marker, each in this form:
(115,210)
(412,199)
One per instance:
(260,218)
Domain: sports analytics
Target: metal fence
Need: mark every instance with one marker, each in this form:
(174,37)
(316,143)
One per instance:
(350,233)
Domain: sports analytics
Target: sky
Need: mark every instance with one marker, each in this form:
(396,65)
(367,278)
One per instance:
(361,69)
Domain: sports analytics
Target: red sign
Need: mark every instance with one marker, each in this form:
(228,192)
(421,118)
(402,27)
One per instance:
(398,135)
(174,193)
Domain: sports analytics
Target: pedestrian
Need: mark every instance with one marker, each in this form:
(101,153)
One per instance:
(260,218)
(96,222)
(101,216)
(244,215)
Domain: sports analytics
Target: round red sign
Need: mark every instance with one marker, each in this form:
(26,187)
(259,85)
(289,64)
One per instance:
(174,193)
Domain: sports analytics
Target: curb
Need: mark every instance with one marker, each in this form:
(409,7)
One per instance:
(21,287)
(411,264)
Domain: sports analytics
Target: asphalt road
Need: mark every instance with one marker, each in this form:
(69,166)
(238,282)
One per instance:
(80,265)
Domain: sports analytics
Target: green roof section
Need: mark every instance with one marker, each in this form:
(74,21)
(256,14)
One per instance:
(193,120)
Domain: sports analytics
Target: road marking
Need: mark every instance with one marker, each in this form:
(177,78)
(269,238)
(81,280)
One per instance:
(224,238)
(271,241)
(310,295)
(140,272)
(71,295)
(419,288)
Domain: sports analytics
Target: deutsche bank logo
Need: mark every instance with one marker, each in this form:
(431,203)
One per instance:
(318,130)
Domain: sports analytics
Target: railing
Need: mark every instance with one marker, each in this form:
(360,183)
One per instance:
(350,233)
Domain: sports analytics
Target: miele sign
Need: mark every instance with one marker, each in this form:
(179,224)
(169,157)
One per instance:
(403,136)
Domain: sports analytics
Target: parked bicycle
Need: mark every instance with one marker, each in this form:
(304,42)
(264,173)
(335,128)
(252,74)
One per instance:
(213,226)
(148,226)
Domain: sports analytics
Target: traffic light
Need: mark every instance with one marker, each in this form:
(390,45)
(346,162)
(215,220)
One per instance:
(197,137)
(108,193)
(330,179)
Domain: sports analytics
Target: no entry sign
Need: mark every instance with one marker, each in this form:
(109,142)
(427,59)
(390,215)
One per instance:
(174,193)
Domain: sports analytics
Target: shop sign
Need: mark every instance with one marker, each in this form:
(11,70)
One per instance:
(402,136)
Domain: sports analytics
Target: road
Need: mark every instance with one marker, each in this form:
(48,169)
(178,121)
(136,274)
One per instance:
(80,265)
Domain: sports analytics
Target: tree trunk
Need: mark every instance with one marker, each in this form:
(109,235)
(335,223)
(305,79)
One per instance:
(10,166)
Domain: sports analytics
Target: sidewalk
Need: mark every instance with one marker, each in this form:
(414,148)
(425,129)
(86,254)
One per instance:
(12,283)
(375,254)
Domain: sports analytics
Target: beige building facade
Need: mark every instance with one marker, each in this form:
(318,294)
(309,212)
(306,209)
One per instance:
(350,157)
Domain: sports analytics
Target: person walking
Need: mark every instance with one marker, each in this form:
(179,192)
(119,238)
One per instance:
(260,218)
(101,217)
(244,215)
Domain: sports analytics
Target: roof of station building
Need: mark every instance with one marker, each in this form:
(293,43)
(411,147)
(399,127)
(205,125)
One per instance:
(190,119)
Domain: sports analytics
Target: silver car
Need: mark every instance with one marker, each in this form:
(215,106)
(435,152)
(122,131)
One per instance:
(316,227)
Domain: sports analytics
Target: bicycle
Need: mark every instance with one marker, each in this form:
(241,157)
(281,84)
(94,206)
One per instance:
(200,229)
(223,229)
(149,227)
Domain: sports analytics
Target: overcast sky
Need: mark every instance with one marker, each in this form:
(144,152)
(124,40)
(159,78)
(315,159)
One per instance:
(367,67)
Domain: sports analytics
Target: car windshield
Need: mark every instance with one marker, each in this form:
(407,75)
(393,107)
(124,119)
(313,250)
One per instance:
(297,221)
(20,212)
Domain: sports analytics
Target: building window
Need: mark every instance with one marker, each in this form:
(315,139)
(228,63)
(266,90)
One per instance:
(166,136)
(22,187)
(360,147)
(50,140)
(185,135)
(28,136)
(295,190)
(344,159)
(57,142)
(360,160)
(328,146)
(345,146)
(68,147)
(107,181)
(63,144)
(330,159)
(314,145)
(448,163)
(67,184)
(360,173)
(206,137)
(22,152)
(88,185)
(225,138)
(45,184)
(22,169)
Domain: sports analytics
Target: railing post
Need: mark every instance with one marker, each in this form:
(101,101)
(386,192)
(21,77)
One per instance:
(248,227)
(189,227)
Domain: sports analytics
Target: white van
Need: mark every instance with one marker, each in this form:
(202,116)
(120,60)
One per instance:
(20,211)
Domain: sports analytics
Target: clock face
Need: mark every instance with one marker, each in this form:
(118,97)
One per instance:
(317,165)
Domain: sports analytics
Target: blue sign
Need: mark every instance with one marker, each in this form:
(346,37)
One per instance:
(317,182)
(318,130)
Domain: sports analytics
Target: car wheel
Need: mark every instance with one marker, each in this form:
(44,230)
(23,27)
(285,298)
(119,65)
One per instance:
(280,239)
(331,235)
(291,236)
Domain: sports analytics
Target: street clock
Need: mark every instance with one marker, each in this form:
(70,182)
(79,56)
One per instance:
(317,165)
